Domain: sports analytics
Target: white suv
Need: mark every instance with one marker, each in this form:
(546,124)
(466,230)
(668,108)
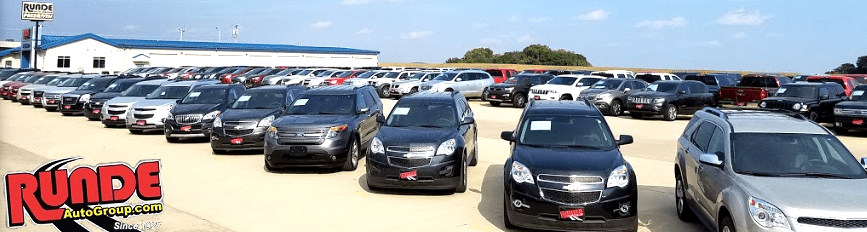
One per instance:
(615,74)
(563,87)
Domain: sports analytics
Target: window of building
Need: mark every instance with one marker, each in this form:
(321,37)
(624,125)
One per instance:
(8,64)
(63,61)
(98,62)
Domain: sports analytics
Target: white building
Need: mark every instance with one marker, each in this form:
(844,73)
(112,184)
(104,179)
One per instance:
(90,53)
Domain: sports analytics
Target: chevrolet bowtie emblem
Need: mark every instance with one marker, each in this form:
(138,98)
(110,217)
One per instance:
(299,135)
(238,127)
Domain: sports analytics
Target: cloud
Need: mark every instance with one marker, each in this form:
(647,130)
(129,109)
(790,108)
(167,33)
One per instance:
(416,34)
(365,31)
(742,17)
(130,27)
(363,2)
(480,25)
(321,24)
(660,23)
(526,39)
(538,20)
(594,15)
(490,41)
(711,43)
(739,35)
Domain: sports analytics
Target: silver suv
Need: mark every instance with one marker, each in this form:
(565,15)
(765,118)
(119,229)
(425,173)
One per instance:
(749,170)
(469,82)
(150,113)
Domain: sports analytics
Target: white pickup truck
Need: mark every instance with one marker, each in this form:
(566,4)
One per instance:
(563,87)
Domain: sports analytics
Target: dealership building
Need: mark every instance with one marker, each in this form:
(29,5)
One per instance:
(90,53)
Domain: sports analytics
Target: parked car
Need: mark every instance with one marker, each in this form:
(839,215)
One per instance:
(749,170)
(861,79)
(211,73)
(243,125)
(37,92)
(669,98)
(11,88)
(565,171)
(226,78)
(850,114)
(563,87)
(383,83)
(813,100)
(651,77)
(72,103)
(364,78)
(713,82)
(194,115)
(254,73)
(93,108)
(514,90)
(501,74)
(274,79)
(114,111)
(427,142)
(533,71)
(610,94)
(52,97)
(682,75)
(25,93)
(340,78)
(471,83)
(411,84)
(150,113)
(736,77)
(299,77)
(751,89)
(185,73)
(848,83)
(324,127)
(12,78)
(623,74)
(802,77)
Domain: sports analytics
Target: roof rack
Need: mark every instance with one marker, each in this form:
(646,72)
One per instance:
(716,112)
(790,113)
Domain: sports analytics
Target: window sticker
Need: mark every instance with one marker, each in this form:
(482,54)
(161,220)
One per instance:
(244,98)
(858,93)
(195,94)
(400,111)
(301,102)
(540,125)
(781,90)
(111,86)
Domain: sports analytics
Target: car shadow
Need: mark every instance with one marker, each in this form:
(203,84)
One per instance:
(194,140)
(240,153)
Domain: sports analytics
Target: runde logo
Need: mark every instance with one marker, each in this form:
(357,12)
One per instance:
(37,11)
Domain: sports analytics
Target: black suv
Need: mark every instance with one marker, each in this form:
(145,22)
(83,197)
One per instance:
(851,114)
(669,98)
(242,126)
(714,83)
(427,142)
(813,100)
(514,90)
(194,115)
(73,102)
(566,171)
(324,127)
(93,108)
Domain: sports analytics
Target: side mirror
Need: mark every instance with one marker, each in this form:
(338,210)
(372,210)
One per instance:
(710,159)
(681,92)
(864,162)
(626,90)
(364,111)
(507,135)
(468,120)
(178,101)
(624,139)
(824,97)
(458,80)
(380,119)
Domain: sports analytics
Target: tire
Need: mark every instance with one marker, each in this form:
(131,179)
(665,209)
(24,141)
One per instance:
(462,185)
(383,92)
(352,156)
(726,224)
(136,132)
(635,115)
(814,116)
(684,213)
(475,160)
(565,98)
(495,103)
(506,219)
(616,108)
(172,140)
(519,101)
(413,90)
(670,113)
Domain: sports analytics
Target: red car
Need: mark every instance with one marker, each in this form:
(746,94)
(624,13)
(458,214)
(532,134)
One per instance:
(501,74)
(847,82)
(339,79)
(534,71)
(227,78)
(11,89)
(860,78)
(752,88)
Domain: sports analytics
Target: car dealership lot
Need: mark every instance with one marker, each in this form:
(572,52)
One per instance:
(233,192)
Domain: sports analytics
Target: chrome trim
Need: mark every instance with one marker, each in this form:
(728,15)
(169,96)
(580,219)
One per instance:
(542,193)
(571,177)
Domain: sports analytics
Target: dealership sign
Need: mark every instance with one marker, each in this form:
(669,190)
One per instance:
(37,11)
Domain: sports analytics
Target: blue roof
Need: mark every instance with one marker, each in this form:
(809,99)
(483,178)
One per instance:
(51,41)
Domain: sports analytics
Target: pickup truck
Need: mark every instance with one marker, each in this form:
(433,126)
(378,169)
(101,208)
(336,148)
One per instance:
(752,88)
(848,83)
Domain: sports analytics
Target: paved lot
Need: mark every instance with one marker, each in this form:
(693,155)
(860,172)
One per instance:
(211,192)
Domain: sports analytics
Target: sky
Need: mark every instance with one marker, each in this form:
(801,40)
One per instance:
(754,35)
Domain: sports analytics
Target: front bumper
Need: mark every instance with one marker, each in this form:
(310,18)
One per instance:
(497,96)
(439,174)
(600,104)
(850,122)
(221,139)
(152,123)
(172,129)
(92,111)
(549,96)
(72,108)
(604,215)
(25,98)
(652,109)
(330,154)
(53,103)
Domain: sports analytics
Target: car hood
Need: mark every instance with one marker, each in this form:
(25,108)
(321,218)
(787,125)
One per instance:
(154,102)
(557,87)
(61,90)
(568,161)
(503,85)
(312,120)
(651,94)
(180,109)
(414,136)
(852,105)
(124,100)
(104,95)
(789,99)
(81,92)
(810,197)
(31,86)
(246,114)
(45,88)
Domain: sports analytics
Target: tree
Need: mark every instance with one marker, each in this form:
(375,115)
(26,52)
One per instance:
(847,68)
(536,54)
(479,55)
(862,65)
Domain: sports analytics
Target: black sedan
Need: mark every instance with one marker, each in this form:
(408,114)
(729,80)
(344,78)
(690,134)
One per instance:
(243,125)
(194,115)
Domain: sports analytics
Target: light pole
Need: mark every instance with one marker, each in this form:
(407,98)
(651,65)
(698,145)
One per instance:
(235,33)
(219,34)
(182,33)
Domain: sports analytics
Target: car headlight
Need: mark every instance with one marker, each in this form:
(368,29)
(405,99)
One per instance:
(219,123)
(838,111)
(266,121)
(272,132)
(521,174)
(797,106)
(509,89)
(658,100)
(618,178)
(333,82)
(169,116)
(168,106)
(767,215)
(334,131)
(763,104)
(84,98)
(603,96)
(211,115)
(804,108)
(376,146)
(447,147)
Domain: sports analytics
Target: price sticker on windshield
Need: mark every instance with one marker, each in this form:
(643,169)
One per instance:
(858,93)
(781,90)
(540,125)
(300,102)
(244,98)
(195,94)
(400,111)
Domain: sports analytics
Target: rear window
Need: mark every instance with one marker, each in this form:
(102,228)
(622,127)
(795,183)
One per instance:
(495,73)
(707,80)
(649,78)
(827,80)
(759,82)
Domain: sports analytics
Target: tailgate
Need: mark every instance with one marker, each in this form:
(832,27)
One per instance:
(735,94)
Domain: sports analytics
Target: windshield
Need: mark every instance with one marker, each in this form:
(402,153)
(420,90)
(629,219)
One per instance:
(285,72)
(565,131)
(94,84)
(589,81)
(793,155)
(649,78)
(562,81)
(206,96)
(663,87)
(758,82)
(304,73)
(518,79)
(798,91)
(169,92)
(57,81)
(800,77)
(423,114)
(416,76)
(325,74)
(13,77)
(239,71)
(348,74)
(323,104)
(607,84)
(73,82)
(118,87)
(44,80)
(390,75)
(366,75)
(139,90)
(32,79)
(260,100)
(707,80)
(445,77)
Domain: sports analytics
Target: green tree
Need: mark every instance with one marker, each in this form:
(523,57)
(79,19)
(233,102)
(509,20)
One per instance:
(536,54)
(846,68)
(479,55)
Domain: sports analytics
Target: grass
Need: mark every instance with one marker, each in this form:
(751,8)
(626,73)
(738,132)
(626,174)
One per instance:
(520,67)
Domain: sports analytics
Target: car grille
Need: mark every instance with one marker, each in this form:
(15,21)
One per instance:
(570,179)
(833,222)
(496,89)
(116,112)
(188,118)
(395,86)
(242,124)
(142,113)
(639,100)
(38,93)
(69,100)
(302,135)
(408,162)
(306,82)
(425,87)
(233,132)
(52,95)
(539,91)
(567,197)
(778,105)
(853,112)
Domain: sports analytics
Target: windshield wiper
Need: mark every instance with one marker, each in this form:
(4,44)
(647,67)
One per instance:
(576,146)
(815,174)
(325,113)
(758,173)
(429,126)
(260,108)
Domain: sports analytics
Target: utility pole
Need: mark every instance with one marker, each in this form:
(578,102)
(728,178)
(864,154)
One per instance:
(182,33)
(235,33)
(219,33)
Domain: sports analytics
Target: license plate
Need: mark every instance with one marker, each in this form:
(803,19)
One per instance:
(536,97)
(298,151)
(639,106)
(572,214)
(186,128)
(113,118)
(410,175)
(140,122)
(494,96)
(237,140)
(67,107)
(741,103)
(857,121)
(38,99)
(23,97)
(51,101)
(95,111)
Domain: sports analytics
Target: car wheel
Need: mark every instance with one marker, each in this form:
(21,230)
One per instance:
(566,98)
(616,108)
(684,213)
(635,115)
(383,92)
(172,140)
(506,219)
(814,116)
(495,103)
(519,101)
(727,225)
(475,160)
(413,90)
(351,157)
(462,185)
(670,113)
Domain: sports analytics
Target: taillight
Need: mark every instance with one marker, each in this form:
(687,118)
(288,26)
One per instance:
(764,94)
